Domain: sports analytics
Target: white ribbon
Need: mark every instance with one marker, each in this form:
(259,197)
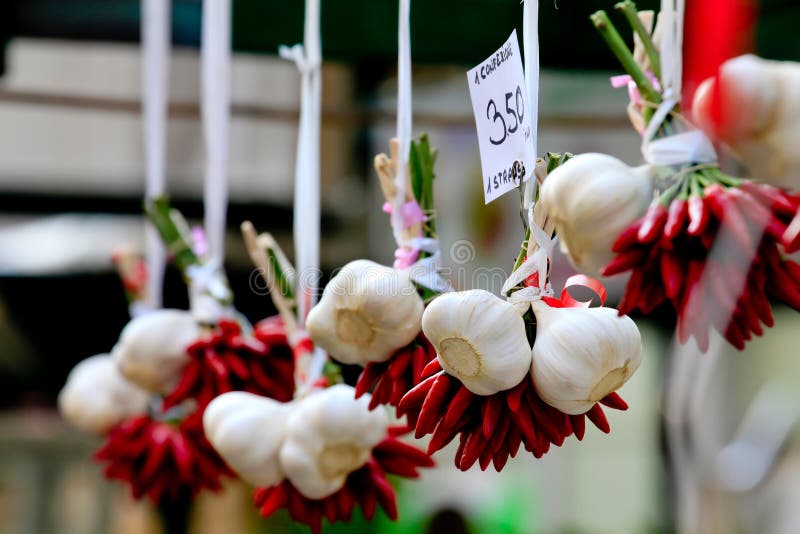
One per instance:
(155,42)
(208,290)
(215,111)
(530,47)
(308,58)
(687,147)
(536,263)
(404,118)
(426,270)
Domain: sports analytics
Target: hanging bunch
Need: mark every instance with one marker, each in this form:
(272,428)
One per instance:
(715,247)
(162,454)
(322,454)
(525,371)
(197,359)
(371,315)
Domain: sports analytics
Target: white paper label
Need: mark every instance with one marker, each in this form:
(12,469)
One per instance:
(500,104)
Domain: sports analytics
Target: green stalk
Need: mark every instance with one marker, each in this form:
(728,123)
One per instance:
(611,36)
(284,286)
(163,218)
(628,8)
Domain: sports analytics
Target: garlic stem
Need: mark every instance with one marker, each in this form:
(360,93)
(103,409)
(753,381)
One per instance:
(610,34)
(161,214)
(628,8)
(272,276)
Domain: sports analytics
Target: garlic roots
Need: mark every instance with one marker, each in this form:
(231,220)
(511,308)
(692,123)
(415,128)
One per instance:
(480,339)
(96,397)
(366,313)
(329,435)
(151,351)
(592,198)
(582,354)
(247,431)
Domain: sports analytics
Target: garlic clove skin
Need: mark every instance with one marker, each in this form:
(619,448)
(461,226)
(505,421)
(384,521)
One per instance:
(96,397)
(582,354)
(479,339)
(366,313)
(591,199)
(151,351)
(247,430)
(759,115)
(329,435)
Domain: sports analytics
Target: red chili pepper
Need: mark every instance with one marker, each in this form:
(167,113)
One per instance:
(459,404)
(367,378)
(431,368)
(578,423)
(791,237)
(614,401)
(652,224)
(771,197)
(730,218)
(432,406)
(399,362)
(628,237)
(416,396)
(676,218)
(624,261)
(598,417)
(698,216)
(672,273)
(632,296)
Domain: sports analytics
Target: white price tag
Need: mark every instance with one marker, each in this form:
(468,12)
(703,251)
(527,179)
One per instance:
(500,104)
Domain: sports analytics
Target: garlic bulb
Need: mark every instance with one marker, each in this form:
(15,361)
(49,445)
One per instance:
(591,199)
(151,351)
(366,313)
(759,115)
(247,431)
(480,339)
(582,354)
(96,397)
(328,436)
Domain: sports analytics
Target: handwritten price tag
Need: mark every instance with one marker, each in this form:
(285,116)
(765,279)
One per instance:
(499,101)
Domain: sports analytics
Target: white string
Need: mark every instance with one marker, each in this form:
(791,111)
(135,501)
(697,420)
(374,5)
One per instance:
(205,281)
(308,58)
(155,42)
(530,48)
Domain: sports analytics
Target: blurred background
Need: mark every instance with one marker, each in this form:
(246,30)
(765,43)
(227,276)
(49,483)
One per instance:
(71,185)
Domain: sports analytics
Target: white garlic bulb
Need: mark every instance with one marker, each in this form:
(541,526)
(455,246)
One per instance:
(96,397)
(329,435)
(479,339)
(591,199)
(247,430)
(151,351)
(366,313)
(582,354)
(759,115)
